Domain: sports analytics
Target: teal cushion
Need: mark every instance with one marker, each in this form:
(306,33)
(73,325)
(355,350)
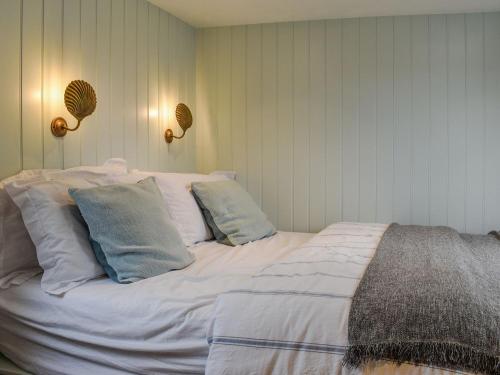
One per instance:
(231,213)
(130,230)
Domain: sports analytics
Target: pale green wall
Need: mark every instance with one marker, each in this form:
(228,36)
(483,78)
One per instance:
(373,119)
(134,54)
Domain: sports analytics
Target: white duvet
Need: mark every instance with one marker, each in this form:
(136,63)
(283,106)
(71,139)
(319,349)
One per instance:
(155,326)
(292,316)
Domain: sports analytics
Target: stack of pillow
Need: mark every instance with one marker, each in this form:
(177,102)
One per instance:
(79,224)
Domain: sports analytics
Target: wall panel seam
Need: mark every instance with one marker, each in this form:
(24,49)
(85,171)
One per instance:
(20,80)
(483,118)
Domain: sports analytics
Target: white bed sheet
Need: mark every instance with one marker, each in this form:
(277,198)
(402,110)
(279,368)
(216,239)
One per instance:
(155,326)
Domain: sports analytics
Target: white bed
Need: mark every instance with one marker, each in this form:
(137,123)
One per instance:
(154,326)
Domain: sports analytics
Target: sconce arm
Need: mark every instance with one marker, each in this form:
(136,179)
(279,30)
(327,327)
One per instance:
(181,136)
(169,135)
(75,128)
(59,127)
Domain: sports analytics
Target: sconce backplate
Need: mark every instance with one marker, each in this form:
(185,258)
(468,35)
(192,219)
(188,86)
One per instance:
(59,127)
(169,135)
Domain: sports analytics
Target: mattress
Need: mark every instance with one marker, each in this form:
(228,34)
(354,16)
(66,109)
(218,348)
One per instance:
(154,326)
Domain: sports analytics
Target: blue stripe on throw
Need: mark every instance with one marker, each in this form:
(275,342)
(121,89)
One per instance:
(315,262)
(277,344)
(286,292)
(325,274)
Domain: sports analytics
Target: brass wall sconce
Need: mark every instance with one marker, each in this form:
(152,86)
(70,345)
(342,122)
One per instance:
(184,119)
(80,100)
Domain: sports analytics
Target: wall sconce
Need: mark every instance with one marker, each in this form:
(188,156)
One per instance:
(80,100)
(184,119)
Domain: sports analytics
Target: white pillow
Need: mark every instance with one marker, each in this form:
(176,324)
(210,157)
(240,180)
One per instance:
(55,226)
(111,168)
(18,261)
(180,203)
(59,234)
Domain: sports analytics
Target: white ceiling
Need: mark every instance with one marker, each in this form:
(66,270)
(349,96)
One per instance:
(205,13)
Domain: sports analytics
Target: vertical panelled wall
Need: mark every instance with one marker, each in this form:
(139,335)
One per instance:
(374,119)
(139,59)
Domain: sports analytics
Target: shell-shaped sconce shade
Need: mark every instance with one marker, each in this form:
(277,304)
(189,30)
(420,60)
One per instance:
(184,116)
(80,99)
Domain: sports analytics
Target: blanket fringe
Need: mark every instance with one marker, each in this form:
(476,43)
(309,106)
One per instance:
(445,355)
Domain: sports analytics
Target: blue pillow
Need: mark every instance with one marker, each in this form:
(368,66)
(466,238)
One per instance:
(130,230)
(231,213)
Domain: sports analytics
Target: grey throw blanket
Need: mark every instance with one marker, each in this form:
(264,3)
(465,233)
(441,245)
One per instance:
(429,296)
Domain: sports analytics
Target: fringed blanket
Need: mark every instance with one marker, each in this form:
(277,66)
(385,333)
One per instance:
(429,296)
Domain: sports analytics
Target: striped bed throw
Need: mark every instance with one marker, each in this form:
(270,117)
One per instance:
(292,317)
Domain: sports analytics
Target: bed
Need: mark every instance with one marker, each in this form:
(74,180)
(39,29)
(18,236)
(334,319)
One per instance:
(352,299)
(150,327)
(276,305)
